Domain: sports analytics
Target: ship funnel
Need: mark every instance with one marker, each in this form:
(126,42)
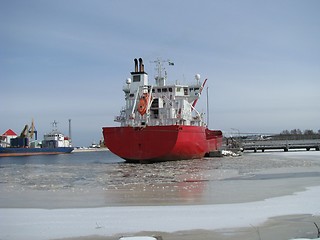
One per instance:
(141,65)
(135,65)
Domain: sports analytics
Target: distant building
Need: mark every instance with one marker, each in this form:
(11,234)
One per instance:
(6,137)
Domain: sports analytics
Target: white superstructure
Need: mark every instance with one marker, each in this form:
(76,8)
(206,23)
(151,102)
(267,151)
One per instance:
(160,104)
(55,139)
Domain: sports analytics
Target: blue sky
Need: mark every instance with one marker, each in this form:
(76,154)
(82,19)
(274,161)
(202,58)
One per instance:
(69,59)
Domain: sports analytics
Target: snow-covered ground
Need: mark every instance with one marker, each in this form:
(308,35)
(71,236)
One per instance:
(62,223)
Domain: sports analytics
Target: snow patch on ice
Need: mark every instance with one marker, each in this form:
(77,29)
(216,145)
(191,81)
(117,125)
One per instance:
(62,223)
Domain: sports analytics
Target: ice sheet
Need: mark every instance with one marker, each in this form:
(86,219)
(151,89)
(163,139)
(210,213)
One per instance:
(61,223)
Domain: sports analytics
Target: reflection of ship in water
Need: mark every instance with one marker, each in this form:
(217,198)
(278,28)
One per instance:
(27,143)
(169,183)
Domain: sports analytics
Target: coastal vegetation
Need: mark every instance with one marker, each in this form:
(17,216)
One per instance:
(297,134)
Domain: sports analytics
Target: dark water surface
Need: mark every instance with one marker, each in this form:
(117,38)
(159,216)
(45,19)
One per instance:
(75,158)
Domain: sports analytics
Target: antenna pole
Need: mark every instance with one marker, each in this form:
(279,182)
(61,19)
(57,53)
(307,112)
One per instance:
(70,130)
(208,106)
(160,79)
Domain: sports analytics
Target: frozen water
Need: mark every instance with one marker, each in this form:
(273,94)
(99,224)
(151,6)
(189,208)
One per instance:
(52,197)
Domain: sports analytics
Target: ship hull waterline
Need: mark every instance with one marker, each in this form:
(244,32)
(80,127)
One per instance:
(16,152)
(161,143)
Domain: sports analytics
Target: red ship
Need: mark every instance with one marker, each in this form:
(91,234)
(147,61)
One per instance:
(160,122)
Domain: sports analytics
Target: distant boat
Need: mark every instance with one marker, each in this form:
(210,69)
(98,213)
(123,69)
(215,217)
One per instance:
(52,143)
(160,122)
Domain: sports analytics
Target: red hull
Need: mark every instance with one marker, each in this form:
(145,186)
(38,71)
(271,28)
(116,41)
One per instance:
(161,143)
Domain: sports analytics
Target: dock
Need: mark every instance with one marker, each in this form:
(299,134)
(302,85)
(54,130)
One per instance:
(285,145)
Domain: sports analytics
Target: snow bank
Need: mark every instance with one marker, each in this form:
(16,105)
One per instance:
(59,223)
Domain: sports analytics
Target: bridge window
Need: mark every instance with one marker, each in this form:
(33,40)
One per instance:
(136,78)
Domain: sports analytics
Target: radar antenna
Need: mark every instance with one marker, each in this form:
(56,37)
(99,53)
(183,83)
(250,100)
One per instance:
(54,125)
(159,69)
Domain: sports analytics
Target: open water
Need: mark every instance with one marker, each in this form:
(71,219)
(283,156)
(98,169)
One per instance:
(101,178)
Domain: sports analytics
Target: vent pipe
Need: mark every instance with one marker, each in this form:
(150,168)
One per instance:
(140,65)
(135,65)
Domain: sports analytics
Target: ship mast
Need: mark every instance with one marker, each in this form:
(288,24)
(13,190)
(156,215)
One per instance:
(70,139)
(159,69)
(54,126)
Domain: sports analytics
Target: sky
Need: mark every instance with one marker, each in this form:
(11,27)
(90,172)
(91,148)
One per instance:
(69,59)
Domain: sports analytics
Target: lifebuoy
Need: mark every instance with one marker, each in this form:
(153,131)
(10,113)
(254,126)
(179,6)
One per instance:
(143,104)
